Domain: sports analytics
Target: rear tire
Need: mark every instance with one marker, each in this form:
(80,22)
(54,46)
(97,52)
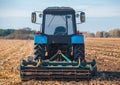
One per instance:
(39,51)
(79,52)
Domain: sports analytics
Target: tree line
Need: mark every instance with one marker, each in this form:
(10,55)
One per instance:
(24,33)
(27,33)
(115,33)
(5,32)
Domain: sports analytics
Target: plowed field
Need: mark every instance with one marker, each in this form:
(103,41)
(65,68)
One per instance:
(105,51)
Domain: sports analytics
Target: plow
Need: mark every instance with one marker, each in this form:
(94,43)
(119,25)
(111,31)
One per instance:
(58,48)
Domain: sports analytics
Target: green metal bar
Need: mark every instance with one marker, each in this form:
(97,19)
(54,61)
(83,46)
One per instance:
(61,66)
(66,58)
(49,63)
(53,57)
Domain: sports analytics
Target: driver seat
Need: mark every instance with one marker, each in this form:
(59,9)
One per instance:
(60,31)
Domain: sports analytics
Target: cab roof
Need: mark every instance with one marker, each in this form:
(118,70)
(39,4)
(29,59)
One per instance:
(59,10)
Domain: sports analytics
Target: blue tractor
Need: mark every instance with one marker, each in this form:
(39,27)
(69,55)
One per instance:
(59,48)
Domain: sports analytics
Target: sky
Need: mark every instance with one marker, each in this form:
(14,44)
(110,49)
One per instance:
(101,15)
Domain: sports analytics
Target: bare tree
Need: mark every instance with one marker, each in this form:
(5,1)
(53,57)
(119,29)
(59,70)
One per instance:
(115,33)
(99,34)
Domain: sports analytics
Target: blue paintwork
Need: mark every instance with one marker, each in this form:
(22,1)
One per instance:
(78,39)
(39,39)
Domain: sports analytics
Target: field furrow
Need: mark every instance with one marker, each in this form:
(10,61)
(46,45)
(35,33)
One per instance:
(105,51)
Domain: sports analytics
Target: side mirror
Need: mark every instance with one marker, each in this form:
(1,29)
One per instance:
(77,15)
(33,17)
(82,17)
(40,15)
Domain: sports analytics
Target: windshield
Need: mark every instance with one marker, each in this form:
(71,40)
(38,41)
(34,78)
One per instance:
(58,24)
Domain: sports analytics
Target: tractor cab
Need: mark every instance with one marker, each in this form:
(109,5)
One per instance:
(59,20)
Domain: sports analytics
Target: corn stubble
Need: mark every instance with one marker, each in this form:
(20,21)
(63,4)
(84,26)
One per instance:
(105,51)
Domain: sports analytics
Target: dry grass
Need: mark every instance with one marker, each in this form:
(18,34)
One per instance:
(105,51)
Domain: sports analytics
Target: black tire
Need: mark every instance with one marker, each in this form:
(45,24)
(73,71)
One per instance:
(39,51)
(79,51)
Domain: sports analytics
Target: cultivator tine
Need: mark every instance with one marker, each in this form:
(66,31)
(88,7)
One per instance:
(58,74)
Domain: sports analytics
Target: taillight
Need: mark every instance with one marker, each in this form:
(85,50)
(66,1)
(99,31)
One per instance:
(39,33)
(79,33)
